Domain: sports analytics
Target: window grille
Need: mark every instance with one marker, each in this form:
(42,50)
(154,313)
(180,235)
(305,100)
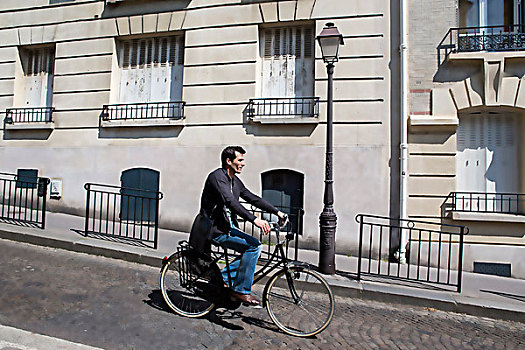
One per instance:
(149,52)
(295,41)
(41,60)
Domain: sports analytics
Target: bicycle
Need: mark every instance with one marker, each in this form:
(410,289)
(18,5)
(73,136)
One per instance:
(299,301)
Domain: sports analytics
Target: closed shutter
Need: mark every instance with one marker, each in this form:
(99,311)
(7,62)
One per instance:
(487,154)
(287,62)
(38,77)
(151,69)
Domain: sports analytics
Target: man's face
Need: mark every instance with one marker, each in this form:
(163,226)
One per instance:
(237,164)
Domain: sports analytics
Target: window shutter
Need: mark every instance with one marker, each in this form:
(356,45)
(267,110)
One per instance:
(147,52)
(181,50)
(277,42)
(268,43)
(308,40)
(134,53)
(40,61)
(298,42)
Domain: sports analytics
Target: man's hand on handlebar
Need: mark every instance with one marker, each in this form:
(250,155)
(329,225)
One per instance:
(263,225)
(283,218)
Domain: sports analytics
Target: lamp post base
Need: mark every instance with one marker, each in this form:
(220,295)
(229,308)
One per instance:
(327,224)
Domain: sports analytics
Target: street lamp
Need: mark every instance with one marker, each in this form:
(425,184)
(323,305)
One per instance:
(329,41)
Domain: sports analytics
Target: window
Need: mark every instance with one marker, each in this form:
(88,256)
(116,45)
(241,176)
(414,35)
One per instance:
(481,13)
(149,78)
(38,66)
(286,82)
(487,159)
(33,88)
(287,62)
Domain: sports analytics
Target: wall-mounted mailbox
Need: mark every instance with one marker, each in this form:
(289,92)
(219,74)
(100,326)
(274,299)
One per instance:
(55,189)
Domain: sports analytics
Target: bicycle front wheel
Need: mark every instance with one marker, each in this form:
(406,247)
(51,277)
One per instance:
(184,293)
(299,301)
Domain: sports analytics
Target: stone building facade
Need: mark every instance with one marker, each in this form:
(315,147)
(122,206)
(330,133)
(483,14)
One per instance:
(92,88)
(465,123)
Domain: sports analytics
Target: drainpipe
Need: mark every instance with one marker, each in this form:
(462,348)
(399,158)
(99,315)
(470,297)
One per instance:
(403,145)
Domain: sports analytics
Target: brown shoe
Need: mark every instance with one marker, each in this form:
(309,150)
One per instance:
(247,299)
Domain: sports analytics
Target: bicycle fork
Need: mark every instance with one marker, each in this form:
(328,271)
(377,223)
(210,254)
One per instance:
(291,285)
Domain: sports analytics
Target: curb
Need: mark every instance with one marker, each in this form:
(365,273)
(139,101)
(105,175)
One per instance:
(359,292)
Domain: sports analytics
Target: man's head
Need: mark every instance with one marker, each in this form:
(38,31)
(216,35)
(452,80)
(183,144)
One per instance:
(232,159)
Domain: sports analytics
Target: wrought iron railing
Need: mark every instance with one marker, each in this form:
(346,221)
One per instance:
(434,251)
(149,110)
(23,200)
(294,229)
(283,107)
(490,38)
(29,115)
(482,202)
(129,214)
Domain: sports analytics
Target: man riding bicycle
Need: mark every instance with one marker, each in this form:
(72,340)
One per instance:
(220,206)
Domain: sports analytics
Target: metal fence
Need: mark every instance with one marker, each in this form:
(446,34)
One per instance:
(294,228)
(128,214)
(29,115)
(150,110)
(434,250)
(23,200)
(481,202)
(489,38)
(284,107)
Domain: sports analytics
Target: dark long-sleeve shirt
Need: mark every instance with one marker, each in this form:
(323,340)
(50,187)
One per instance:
(220,193)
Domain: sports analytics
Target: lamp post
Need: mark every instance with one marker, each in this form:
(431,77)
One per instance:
(329,41)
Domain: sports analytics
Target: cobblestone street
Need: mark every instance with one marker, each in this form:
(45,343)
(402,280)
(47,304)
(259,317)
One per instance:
(117,305)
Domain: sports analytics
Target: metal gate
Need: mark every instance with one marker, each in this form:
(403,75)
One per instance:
(23,199)
(104,213)
(434,251)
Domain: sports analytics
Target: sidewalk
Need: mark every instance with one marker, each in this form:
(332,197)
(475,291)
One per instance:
(482,295)
(18,339)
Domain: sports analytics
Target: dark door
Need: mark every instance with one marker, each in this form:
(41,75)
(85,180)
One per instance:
(139,194)
(285,189)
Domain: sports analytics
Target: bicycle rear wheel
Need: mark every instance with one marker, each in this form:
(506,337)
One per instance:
(184,292)
(299,301)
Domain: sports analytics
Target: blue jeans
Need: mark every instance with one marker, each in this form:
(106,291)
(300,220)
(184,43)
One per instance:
(242,269)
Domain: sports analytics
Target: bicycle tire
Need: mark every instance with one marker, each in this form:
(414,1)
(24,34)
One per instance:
(312,309)
(185,300)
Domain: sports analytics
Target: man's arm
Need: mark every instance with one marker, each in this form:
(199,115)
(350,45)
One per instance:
(259,202)
(223,187)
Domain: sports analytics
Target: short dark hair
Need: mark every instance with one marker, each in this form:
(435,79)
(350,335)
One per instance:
(229,153)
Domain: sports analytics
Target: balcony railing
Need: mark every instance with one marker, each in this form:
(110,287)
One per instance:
(29,115)
(142,111)
(286,107)
(480,202)
(490,38)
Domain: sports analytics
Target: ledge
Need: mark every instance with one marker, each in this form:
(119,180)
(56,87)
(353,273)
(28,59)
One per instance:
(285,120)
(422,123)
(486,217)
(30,126)
(141,123)
(496,56)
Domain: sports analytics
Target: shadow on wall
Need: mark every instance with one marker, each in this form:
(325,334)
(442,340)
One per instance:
(137,7)
(140,132)
(27,134)
(454,71)
(430,139)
